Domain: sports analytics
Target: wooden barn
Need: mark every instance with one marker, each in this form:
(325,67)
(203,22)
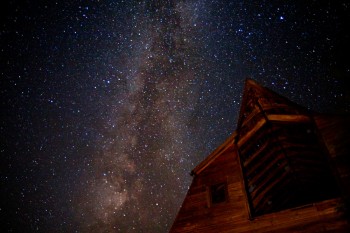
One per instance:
(284,169)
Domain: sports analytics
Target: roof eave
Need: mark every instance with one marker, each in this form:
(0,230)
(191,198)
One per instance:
(213,155)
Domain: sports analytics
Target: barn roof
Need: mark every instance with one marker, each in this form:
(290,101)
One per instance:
(251,90)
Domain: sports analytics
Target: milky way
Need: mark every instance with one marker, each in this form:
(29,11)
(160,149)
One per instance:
(108,105)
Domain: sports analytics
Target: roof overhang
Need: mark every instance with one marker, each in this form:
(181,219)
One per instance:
(228,144)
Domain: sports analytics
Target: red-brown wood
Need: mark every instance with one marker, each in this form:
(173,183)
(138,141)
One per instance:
(273,183)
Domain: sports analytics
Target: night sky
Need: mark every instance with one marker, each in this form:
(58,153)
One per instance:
(106,106)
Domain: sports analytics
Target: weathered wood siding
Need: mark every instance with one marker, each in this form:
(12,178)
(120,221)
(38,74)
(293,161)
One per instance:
(273,132)
(197,214)
(335,131)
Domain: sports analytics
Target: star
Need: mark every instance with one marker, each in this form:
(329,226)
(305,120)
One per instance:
(107,106)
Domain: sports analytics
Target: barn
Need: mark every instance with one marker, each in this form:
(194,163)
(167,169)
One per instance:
(284,169)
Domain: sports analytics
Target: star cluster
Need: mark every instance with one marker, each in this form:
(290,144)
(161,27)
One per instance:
(106,106)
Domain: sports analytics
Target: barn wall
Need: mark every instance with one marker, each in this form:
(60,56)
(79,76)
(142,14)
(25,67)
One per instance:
(197,214)
(335,132)
(261,106)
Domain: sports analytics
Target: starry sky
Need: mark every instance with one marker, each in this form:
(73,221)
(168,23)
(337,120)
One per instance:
(106,106)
